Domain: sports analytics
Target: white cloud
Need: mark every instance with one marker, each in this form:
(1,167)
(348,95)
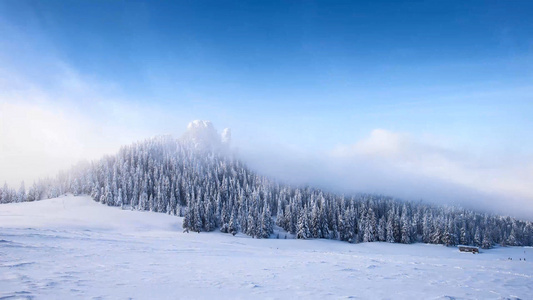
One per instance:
(380,144)
(401,156)
(47,128)
(40,138)
(35,141)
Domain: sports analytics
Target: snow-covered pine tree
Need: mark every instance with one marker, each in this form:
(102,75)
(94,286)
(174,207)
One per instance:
(303,231)
(477,237)
(233,222)
(487,241)
(21,195)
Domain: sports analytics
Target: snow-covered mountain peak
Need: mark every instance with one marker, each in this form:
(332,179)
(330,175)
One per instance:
(203,135)
(200,124)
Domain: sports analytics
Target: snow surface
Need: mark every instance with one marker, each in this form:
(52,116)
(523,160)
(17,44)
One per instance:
(72,247)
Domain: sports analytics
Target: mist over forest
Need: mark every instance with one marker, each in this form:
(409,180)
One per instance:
(199,178)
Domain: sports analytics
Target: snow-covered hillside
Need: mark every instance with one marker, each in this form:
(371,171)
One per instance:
(72,247)
(216,191)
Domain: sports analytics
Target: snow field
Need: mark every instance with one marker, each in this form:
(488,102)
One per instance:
(72,247)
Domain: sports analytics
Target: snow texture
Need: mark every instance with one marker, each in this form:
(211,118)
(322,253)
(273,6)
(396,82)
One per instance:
(72,247)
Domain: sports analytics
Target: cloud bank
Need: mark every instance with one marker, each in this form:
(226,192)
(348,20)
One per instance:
(401,165)
(404,154)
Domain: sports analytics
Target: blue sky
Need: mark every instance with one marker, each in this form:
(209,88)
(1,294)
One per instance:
(333,60)
(305,77)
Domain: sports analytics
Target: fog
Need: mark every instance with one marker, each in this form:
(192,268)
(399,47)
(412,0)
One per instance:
(40,138)
(398,165)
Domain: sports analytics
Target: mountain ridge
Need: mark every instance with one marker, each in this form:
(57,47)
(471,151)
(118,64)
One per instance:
(196,177)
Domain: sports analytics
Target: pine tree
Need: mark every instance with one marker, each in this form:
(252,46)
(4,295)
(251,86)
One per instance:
(119,201)
(390,227)
(102,196)
(198,219)
(406,228)
(303,225)
(21,197)
(251,229)
(187,224)
(224,219)
(341,227)
(369,225)
(487,241)
(280,215)
(511,239)
(151,203)
(324,224)
(234,222)
(426,228)
(349,226)
(437,232)
(266,222)
(382,230)
(463,240)
(477,237)
(316,227)
(371,228)
(447,237)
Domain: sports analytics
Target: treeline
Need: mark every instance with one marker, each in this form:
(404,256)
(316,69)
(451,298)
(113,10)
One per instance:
(214,191)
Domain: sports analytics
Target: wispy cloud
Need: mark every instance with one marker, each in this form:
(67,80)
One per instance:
(402,153)
(407,166)
(45,129)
